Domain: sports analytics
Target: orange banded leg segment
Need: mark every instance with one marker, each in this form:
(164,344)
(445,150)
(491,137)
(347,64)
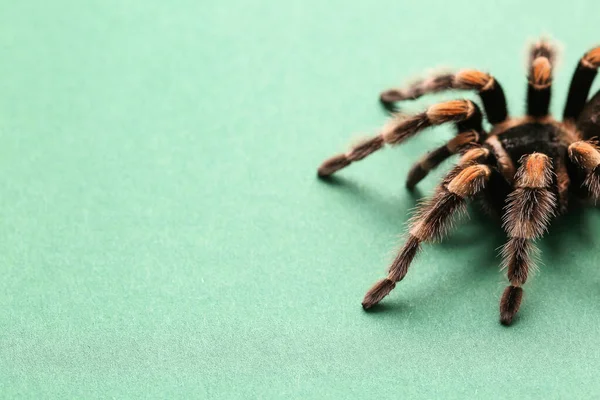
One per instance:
(490,91)
(585,155)
(539,88)
(529,210)
(462,112)
(433,218)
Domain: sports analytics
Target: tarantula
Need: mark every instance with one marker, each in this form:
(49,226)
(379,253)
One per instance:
(525,169)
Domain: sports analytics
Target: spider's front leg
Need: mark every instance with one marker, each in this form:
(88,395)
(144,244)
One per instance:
(433,218)
(464,113)
(529,210)
(586,156)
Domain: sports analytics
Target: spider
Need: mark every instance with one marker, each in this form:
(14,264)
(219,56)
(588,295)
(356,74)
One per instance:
(524,169)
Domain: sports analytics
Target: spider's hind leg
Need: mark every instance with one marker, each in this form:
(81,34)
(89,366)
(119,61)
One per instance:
(434,217)
(529,210)
(464,113)
(489,89)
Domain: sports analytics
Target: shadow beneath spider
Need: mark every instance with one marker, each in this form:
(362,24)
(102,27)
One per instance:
(568,234)
(473,232)
(387,307)
(354,188)
(384,206)
(484,236)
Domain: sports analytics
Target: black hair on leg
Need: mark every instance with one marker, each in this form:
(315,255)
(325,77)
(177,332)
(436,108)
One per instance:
(431,160)
(489,89)
(582,80)
(510,303)
(404,127)
(539,86)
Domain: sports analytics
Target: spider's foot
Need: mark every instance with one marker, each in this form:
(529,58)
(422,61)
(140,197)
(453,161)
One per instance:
(378,292)
(332,165)
(389,98)
(415,175)
(509,304)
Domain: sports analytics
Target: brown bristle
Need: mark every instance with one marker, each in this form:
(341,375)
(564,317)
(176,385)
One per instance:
(543,48)
(535,172)
(541,72)
(454,110)
(399,267)
(505,163)
(510,303)
(563,183)
(461,140)
(391,96)
(469,179)
(432,84)
(365,148)
(435,217)
(403,127)
(592,58)
(536,166)
(415,175)
(528,212)
(476,154)
(378,292)
(585,154)
(473,79)
(333,164)
(516,254)
(592,182)
(417,89)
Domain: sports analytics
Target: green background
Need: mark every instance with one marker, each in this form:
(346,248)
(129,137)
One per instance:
(163,233)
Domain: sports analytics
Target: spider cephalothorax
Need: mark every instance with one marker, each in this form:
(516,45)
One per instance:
(525,169)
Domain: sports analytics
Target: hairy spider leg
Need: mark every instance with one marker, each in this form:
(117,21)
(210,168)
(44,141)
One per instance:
(470,132)
(463,112)
(434,217)
(586,156)
(539,81)
(529,209)
(489,89)
(431,160)
(584,75)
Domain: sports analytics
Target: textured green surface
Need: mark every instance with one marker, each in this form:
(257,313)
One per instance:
(162,232)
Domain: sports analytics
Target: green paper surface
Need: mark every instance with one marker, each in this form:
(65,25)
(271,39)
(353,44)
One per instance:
(163,233)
